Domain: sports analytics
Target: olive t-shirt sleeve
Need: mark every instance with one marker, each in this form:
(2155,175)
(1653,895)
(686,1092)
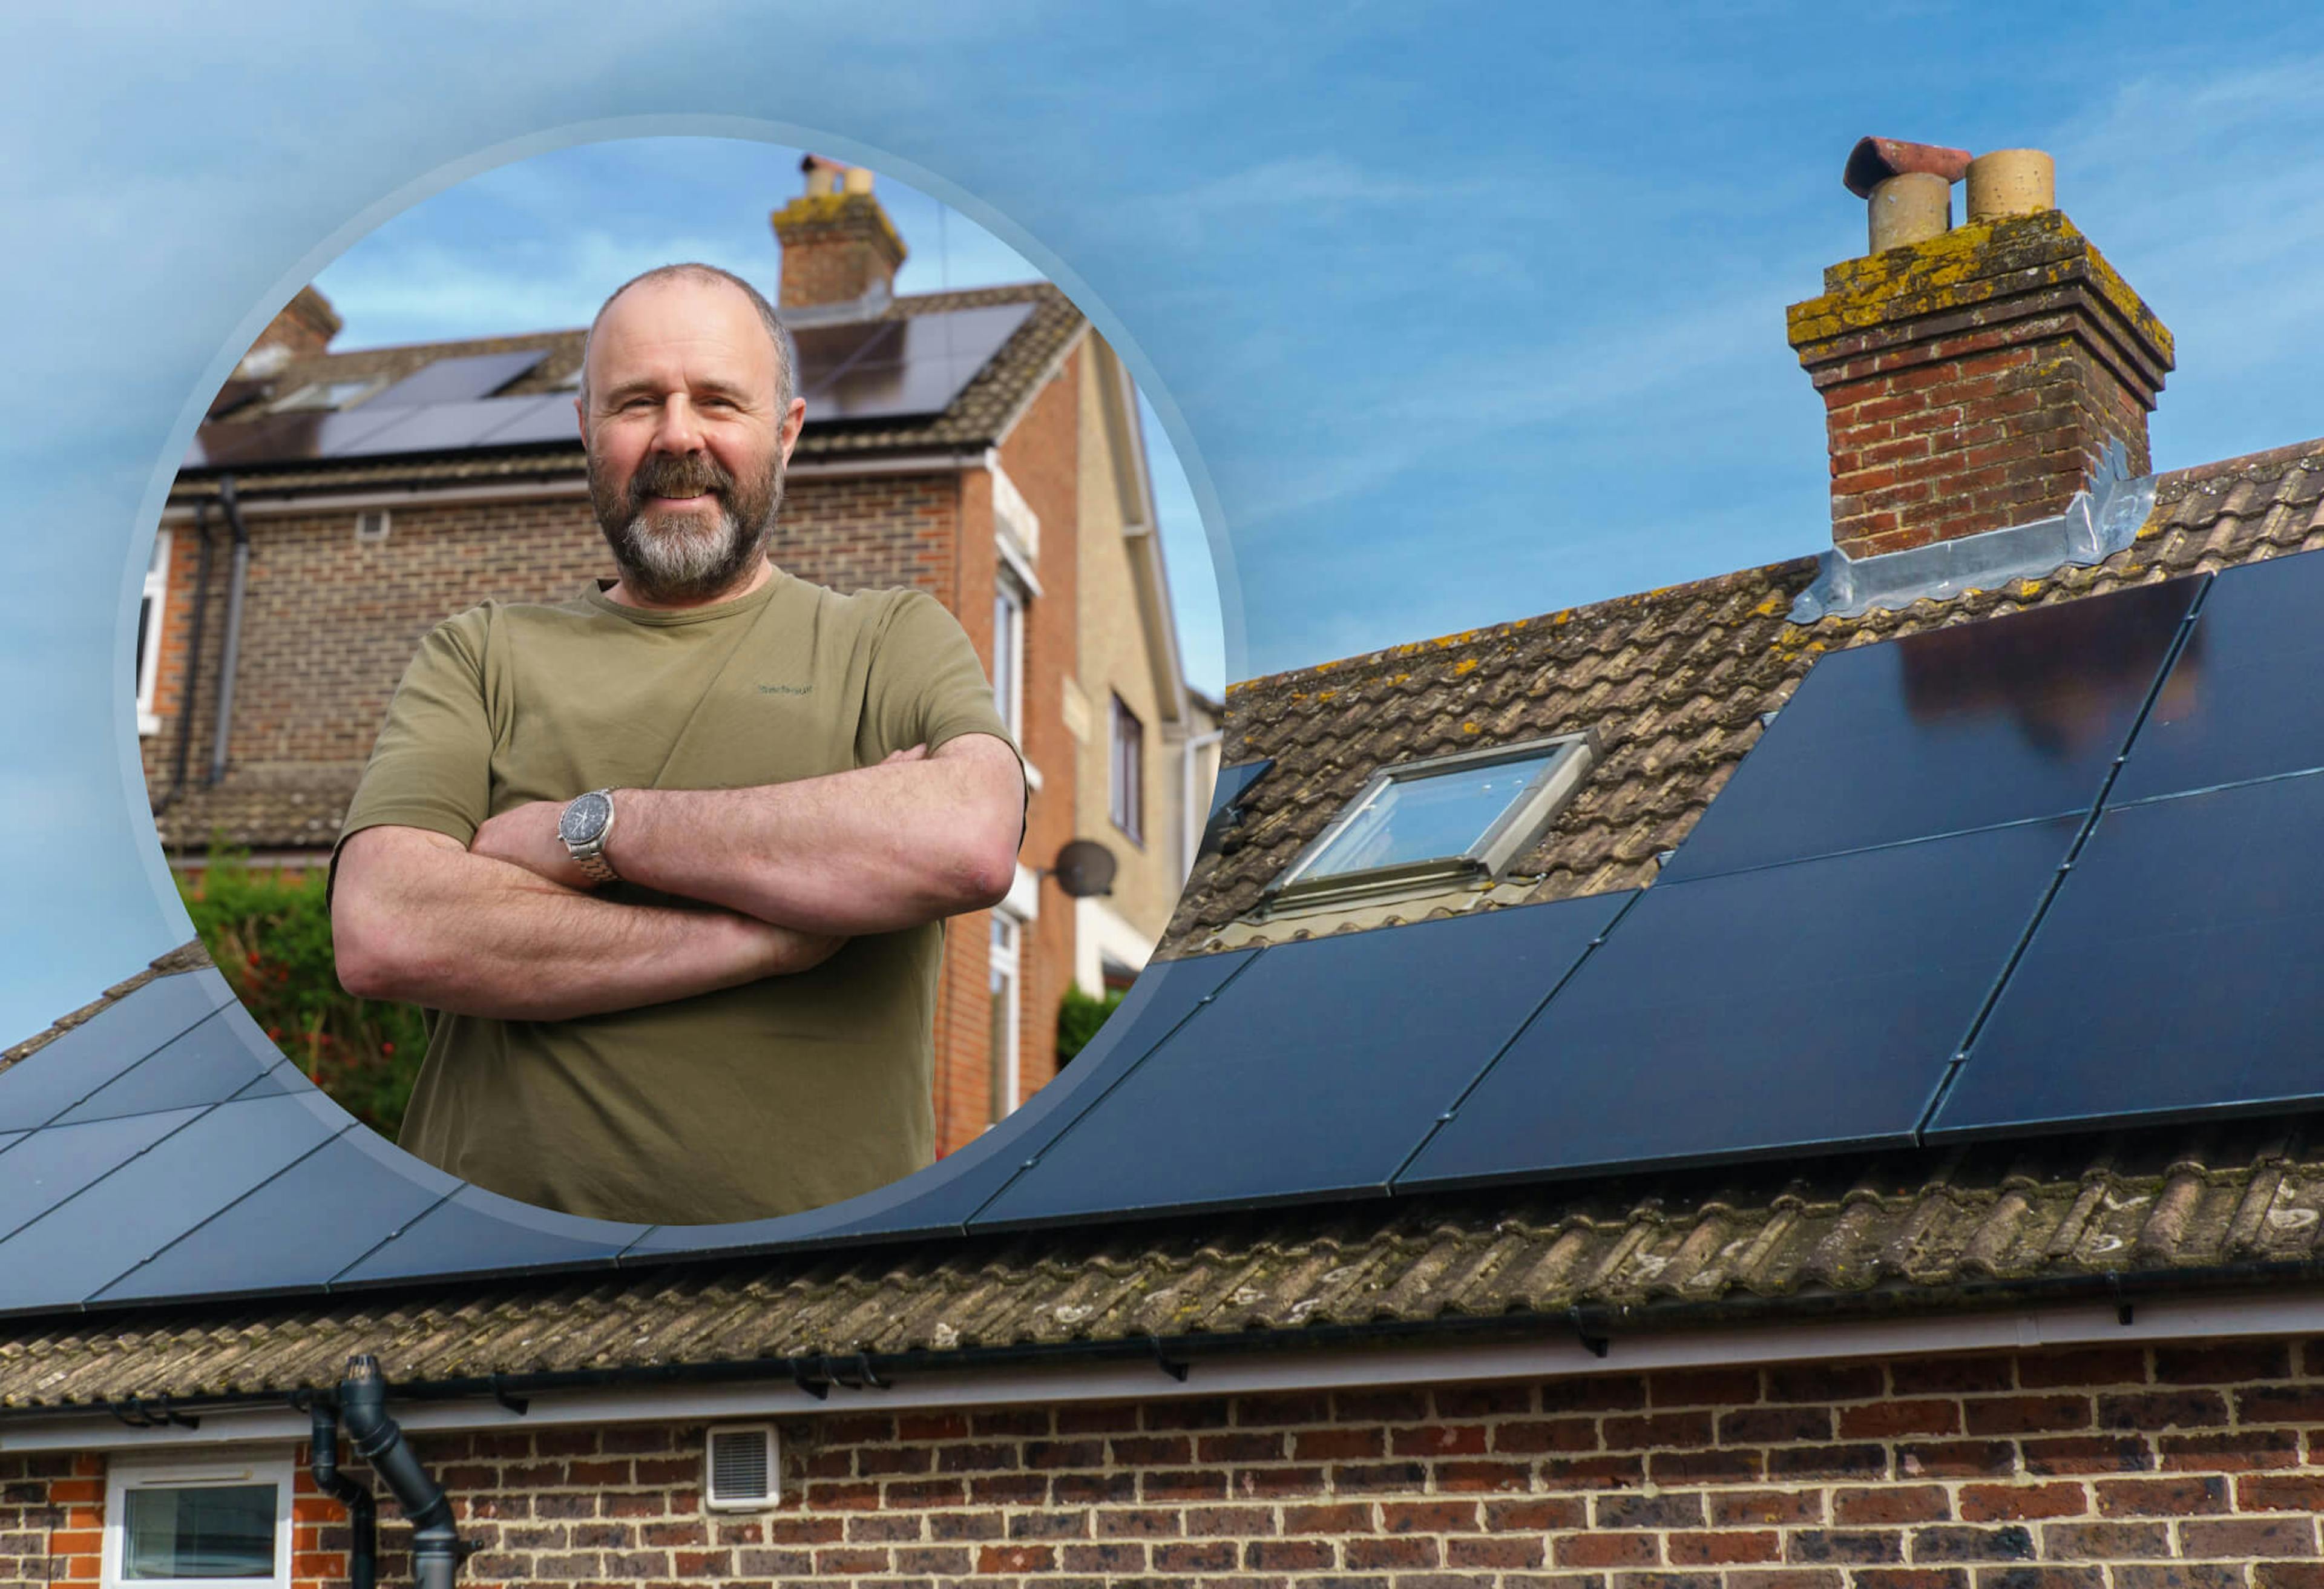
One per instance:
(924,684)
(431,767)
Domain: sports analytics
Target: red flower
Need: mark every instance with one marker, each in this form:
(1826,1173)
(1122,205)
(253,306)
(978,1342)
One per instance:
(387,1048)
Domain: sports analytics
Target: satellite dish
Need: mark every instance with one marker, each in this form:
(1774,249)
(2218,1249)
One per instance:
(1084,869)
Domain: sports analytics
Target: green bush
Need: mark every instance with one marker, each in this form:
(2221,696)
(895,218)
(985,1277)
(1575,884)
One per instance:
(269,935)
(1078,1019)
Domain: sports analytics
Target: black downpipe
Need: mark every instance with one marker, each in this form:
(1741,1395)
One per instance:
(362,1511)
(193,663)
(435,1547)
(236,579)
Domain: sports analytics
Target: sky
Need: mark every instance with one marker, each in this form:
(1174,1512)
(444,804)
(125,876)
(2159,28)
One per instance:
(536,244)
(1452,313)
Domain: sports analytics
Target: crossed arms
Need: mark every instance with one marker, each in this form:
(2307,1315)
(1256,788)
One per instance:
(782,875)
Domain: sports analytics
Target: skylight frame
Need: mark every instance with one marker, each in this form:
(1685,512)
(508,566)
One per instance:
(1521,823)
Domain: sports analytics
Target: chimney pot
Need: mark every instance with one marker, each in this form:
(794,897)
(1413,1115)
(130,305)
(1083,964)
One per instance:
(839,246)
(1910,207)
(2011,181)
(858,180)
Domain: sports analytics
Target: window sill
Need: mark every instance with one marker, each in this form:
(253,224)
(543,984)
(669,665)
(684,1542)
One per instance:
(148,725)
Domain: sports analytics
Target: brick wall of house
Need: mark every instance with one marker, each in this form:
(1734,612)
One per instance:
(2172,1467)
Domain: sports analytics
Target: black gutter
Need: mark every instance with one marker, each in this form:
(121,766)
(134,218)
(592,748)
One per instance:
(435,1547)
(362,1511)
(193,662)
(233,648)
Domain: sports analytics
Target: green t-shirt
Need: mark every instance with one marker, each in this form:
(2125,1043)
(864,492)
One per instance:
(781,1094)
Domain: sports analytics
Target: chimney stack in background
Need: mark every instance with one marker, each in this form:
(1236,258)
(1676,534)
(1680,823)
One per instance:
(304,326)
(839,246)
(1973,375)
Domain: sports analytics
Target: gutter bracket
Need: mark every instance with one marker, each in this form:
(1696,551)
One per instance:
(865,1377)
(2102,520)
(135,1412)
(1595,1341)
(515,1404)
(1172,1366)
(820,1389)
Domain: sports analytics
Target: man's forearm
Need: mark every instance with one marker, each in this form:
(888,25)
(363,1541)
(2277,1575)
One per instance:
(415,918)
(872,850)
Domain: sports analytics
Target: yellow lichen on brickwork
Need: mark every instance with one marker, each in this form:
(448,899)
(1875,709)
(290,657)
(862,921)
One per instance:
(831,209)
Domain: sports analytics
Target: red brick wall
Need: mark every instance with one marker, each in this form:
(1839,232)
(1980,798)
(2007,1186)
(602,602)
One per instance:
(1986,434)
(2174,1467)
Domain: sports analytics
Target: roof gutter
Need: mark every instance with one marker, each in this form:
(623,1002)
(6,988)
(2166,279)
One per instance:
(2063,1310)
(235,581)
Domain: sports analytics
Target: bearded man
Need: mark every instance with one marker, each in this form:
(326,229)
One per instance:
(666,864)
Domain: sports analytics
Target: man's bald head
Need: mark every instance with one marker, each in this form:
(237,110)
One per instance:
(785,378)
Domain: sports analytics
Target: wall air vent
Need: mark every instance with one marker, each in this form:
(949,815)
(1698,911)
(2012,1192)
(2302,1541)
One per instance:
(742,1470)
(371,526)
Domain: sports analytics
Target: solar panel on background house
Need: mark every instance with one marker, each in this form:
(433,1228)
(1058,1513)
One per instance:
(284,438)
(940,1199)
(458,379)
(532,421)
(2174,974)
(1315,1075)
(1811,1006)
(450,426)
(1943,731)
(152,1197)
(926,365)
(2242,700)
(75,1063)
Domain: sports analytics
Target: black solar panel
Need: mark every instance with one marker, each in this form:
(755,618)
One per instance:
(208,1065)
(153,1198)
(458,379)
(1809,1006)
(2242,700)
(918,370)
(940,1200)
(532,421)
(450,426)
(296,1230)
(824,351)
(476,1232)
(74,1064)
(46,1166)
(2174,974)
(1944,732)
(1315,1075)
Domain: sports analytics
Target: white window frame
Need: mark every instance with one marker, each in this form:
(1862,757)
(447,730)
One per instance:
(1125,795)
(153,606)
(1010,604)
(183,1469)
(1006,963)
(1521,823)
(1013,518)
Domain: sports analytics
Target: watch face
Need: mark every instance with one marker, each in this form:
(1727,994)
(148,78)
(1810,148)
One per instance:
(586,817)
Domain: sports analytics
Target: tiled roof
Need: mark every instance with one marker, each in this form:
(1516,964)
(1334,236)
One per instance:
(975,417)
(300,809)
(1674,681)
(2132,1213)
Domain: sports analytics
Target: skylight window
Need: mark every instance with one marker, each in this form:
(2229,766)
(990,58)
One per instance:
(1445,822)
(328,394)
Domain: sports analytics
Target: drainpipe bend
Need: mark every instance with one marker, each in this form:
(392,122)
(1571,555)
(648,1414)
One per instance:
(362,1511)
(436,1545)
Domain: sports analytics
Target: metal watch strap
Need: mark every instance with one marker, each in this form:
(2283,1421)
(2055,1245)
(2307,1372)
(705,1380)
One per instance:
(591,856)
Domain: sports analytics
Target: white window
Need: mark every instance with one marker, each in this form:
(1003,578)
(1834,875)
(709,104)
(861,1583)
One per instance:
(1005,964)
(1441,822)
(1128,792)
(175,1521)
(149,632)
(1008,602)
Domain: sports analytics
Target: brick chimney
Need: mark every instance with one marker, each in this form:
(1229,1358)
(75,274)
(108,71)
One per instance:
(304,326)
(838,245)
(1973,377)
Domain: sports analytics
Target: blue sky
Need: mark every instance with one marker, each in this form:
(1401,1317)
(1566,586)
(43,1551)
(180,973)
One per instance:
(537,244)
(1454,313)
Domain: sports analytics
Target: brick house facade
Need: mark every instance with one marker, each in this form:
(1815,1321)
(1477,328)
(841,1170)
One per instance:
(349,564)
(2084,1359)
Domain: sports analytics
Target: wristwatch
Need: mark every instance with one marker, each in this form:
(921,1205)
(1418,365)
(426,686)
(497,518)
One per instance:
(588,822)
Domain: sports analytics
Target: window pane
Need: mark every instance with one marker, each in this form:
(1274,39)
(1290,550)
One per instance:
(204,1531)
(1428,818)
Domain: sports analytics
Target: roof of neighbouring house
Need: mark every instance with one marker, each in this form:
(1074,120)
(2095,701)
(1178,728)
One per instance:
(975,415)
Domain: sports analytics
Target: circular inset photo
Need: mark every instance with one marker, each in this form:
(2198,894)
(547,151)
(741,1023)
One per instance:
(661,685)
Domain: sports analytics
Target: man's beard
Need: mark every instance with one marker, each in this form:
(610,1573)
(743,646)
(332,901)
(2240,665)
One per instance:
(678,555)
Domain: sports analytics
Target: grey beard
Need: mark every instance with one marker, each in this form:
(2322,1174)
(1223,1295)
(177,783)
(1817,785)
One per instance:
(680,558)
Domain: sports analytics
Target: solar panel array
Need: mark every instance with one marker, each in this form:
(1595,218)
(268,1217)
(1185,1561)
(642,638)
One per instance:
(2058,886)
(863,372)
